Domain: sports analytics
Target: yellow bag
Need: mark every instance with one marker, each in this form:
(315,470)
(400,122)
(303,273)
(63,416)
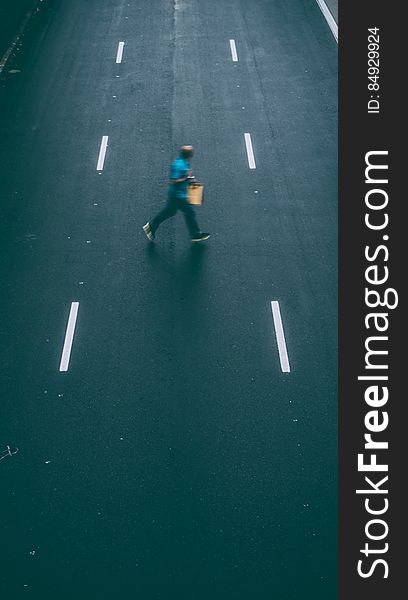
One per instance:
(196,193)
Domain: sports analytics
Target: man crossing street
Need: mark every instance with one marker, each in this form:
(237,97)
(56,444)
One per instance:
(177,199)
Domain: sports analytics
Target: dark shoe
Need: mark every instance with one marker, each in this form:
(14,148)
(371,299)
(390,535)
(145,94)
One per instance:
(200,237)
(149,233)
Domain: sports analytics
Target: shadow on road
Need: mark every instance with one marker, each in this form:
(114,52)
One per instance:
(182,283)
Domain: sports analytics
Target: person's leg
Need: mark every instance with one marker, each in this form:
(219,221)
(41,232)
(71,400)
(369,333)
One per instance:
(189,215)
(168,211)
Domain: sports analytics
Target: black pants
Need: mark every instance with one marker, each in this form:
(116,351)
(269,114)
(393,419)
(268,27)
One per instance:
(172,206)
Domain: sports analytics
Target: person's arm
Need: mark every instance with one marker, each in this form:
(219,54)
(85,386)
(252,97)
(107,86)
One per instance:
(181,179)
(189,175)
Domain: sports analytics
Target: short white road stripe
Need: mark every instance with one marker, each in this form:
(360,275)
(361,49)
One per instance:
(250,152)
(120,52)
(233,51)
(280,337)
(329,18)
(69,336)
(102,152)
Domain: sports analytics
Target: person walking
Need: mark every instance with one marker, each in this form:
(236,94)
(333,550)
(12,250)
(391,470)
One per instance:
(177,199)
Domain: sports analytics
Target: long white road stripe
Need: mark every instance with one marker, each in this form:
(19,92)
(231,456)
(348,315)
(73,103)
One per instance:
(233,51)
(102,152)
(250,152)
(329,18)
(280,337)
(120,52)
(69,336)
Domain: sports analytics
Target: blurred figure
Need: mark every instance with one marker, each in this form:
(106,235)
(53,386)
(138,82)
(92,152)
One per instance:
(177,199)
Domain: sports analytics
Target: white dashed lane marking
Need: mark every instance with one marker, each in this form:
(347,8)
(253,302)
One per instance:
(280,337)
(102,153)
(119,53)
(69,336)
(233,51)
(250,152)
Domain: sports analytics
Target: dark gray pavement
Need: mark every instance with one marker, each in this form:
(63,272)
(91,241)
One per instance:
(13,16)
(174,459)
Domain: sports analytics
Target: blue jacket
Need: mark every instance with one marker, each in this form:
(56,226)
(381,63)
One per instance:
(179,169)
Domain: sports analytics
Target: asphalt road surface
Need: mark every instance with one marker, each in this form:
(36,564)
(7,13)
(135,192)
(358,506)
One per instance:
(13,14)
(173,458)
